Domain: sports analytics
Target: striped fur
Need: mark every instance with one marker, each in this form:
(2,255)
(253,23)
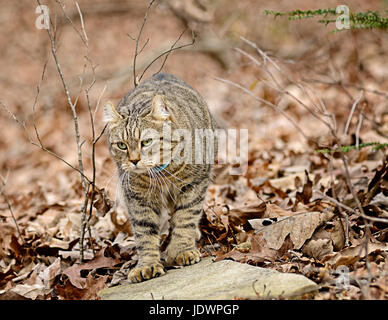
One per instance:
(179,187)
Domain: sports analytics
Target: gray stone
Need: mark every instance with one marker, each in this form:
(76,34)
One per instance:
(208,280)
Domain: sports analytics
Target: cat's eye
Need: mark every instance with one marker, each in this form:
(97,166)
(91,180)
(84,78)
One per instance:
(146,142)
(122,145)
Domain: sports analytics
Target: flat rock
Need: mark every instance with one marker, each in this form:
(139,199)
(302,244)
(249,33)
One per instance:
(208,280)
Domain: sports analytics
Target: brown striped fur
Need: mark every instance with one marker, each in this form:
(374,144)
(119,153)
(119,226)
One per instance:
(162,99)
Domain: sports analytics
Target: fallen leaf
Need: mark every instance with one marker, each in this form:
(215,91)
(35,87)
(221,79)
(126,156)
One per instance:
(125,227)
(100,261)
(70,292)
(334,231)
(288,182)
(307,191)
(258,253)
(29,291)
(9,295)
(350,255)
(93,286)
(299,226)
(318,248)
(40,282)
(274,211)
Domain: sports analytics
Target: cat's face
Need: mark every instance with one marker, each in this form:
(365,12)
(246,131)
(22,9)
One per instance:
(140,142)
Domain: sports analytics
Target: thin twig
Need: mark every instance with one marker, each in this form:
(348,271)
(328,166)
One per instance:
(349,85)
(70,103)
(343,215)
(42,147)
(83,36)
(275,107)
(135,80)
(2,193)
(355,103)
(358,130)
(339,204)
(167,53)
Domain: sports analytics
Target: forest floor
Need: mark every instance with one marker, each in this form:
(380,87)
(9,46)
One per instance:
(303,204)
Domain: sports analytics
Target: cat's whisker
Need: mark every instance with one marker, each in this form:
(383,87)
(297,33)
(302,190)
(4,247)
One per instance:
(159,183)
(153,182)
(159,178)
(174,185)
(164,181)
(119,187)
(109,181)
(153,179)
(174,176)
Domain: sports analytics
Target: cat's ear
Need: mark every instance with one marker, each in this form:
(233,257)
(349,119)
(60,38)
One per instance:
(110,113)
(159,109)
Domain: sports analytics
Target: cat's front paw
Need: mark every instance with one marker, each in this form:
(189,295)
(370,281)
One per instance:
(146,272)
(188,257)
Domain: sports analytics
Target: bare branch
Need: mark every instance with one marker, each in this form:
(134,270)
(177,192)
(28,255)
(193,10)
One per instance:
(70,103)
(2,193)
(275,107)
(355,103)
(135,80)
(343,206)
(167,53)
(348,85)
(35,102)
(41,146)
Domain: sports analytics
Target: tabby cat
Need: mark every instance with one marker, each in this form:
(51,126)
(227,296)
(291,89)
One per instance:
(152,181)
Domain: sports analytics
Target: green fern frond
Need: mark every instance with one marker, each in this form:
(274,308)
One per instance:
(376,146)
(357,20)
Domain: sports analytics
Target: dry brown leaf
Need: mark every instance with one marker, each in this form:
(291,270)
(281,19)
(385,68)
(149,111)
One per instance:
(102,203)
(335,234)
(307,191)
(257,253)
(125,227)
(349,256)
(241,214)
(9,295)
(93,286)
(288,182)
(70,292)
(42,279)
(300,227)
(318,248)
(100,261)
(274,211)
(69,226)
(29,291)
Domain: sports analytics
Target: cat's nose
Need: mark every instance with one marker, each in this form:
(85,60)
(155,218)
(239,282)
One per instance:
(135,161)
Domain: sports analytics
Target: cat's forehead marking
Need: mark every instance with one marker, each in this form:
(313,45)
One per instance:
(134,127)
(129,127)
(137,133)
(124,135)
